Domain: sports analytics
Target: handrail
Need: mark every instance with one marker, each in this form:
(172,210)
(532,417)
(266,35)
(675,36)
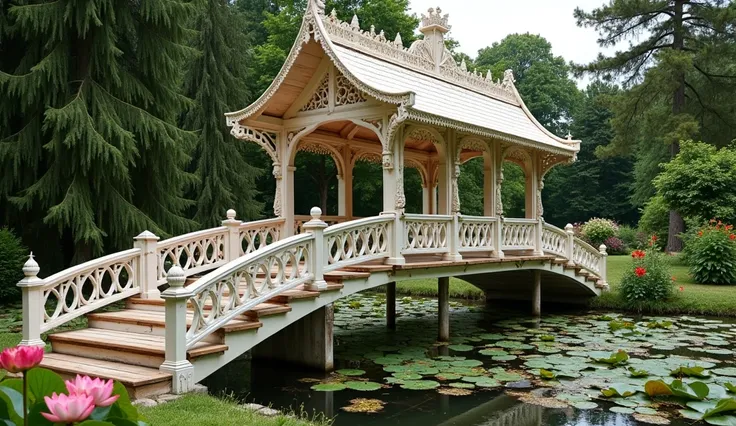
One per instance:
(587,256)
(92,285)
(267,272)
(477,233)
(194,252)
(259,234)
(357,241)
(554,240)
(427,234)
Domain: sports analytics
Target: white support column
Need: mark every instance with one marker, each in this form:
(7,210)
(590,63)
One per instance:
(453,159)
(569,230)
(232,244)
(176,362)
(603,282)
(347,154)
(32,288)
(497,182)
(288,200)
(394,199)
(341,196)
(147,272)
(426,200)
(489,196)
(318,259)
(537,294)
(533,201)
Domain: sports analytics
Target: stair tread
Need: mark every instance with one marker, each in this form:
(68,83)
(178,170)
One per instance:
(129,342)
(158,319)
(129,375)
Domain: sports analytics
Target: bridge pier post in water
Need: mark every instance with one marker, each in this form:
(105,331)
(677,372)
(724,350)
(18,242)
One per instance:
(443,285)
(307,342)
(391,306)
(537,294)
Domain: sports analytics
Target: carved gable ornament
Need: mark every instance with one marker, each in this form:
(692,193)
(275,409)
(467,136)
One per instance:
(341,93)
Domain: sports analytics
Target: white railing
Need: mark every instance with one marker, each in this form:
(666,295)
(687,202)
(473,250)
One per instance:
(359,241)
(194,253)
(477,233)
(554,241)
(584,255)
(519,234)
(257,235)
(426,233)
(300,220)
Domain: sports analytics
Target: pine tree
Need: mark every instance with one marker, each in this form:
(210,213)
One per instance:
(677,42)
(216,80)
(90,104)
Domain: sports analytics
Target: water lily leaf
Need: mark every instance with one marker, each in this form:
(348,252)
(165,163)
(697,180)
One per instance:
(638,373)
(721,421)
(420,385)
(487,382)
(547,338)
(684,371)
(722,406)
(620,389)
(695,390)
(728,371)
(504,358)
(546,374)
(657,388)
(620,357)
(584,405)
(461,348)
(363,386)
(447,376)
(621,410)
(461,385)
(407,376)
(350,372)
(493,352)
(731,387)
(467,363)
(329,387)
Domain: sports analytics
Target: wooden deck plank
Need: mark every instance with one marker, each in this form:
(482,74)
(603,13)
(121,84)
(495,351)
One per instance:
(129,375)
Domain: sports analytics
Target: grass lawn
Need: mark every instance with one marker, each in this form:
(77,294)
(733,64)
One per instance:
(205,410)
(459,289)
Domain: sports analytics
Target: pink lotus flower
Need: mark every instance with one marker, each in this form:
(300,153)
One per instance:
(100,390)
(68,408)
(21,358)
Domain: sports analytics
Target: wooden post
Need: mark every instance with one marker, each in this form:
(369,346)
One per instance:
(603,282)
(569,230)
(341,197)
(318,257)
(489,196)
(32,288)
(453,240)
(497,156)
(176,362)
(147,271)
(443,285)
(426,200)
(391,306)
(537,294)
(347,154)
(232,242)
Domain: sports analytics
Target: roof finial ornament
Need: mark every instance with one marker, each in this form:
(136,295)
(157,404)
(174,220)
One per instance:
(489,76)
(398,41)
(320,6)
(333,14)
(463,65)
(569,135)
(436,19)
(508,79)
(355,23)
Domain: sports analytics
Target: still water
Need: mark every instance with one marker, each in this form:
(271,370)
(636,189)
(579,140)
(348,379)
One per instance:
(490,373)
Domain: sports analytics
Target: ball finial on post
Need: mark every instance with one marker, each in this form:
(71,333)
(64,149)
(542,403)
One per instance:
(31,268)
(176,277)
(316,213)
(603,249)
(231,214)
(569,228)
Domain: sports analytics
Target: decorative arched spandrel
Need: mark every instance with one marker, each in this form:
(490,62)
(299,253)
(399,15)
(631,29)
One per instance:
(266,140)
(315,147)
(421,168)
(520,156)
(427,134)
(473,143)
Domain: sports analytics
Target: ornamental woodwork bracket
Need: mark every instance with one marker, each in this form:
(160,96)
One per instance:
(267,140)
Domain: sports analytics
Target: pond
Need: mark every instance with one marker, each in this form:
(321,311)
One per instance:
(503,368)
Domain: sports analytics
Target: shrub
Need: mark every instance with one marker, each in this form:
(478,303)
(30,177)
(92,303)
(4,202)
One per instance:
(649,278)
(12,258)
(631,237)
(599,230)
(615,246)
(711,254)
(655,218)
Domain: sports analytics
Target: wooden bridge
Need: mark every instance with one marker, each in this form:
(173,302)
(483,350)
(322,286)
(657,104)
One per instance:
(233,287)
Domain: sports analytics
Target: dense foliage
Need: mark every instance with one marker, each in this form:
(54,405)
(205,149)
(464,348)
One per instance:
(12,257)
(598,230)
(648,279)
(711,254)
(655,218)
(700,182)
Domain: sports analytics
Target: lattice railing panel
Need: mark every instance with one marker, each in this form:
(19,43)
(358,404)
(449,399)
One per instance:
(554,241)
(518,235)
(426,235)
(358,241)
(584,255)
(257,235)
(477,233)
(194,253)
(217,299)
(89,286)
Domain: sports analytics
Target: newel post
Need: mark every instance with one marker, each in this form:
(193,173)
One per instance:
(538,245)
(176,362)
(318,255)
(603,282)
(454,239)
(232,242)
(498,237)
(147,274)
(570,244)
(33,303)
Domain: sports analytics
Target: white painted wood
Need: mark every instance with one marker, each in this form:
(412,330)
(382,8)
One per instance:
(232,241)
(148,265)
(317,256)
(603,282)
(176,362)
(341,196)
(33,304)
(569,231)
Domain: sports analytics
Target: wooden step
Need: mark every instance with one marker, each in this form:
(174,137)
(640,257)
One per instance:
(369,268)
(267,309)
(341,275)
(154,322)
(141,382)
(118,346)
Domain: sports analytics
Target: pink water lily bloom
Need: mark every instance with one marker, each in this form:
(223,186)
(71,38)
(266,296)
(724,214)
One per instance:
(68,408)
(21,358)
(100,390)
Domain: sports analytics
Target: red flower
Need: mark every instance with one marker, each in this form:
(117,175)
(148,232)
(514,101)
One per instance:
(682,288)
(732,237)
(700,233)
(729,227)
(640,272)
(638,254)
(674,278)
(654,238)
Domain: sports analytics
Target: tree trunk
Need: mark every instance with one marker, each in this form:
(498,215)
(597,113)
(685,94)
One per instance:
(323,184)
(677,224)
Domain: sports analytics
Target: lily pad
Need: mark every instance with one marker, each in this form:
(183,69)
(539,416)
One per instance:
(420,385)
(363,386)
(461,348)
(329,387)
(584,405)
(351,373)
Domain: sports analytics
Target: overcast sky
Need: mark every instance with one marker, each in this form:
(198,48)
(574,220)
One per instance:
(478,23)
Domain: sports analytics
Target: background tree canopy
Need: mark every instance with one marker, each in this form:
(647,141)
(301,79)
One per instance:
(111,118)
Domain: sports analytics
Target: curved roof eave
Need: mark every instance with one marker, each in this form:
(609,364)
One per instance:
(311,23)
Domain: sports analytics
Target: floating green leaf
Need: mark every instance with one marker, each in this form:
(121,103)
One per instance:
(684,371)
(694,391)
(547,338)
(420,385)
(620,389)
(350,372)
(329,387)
(620,357)
(363,386)
(461,385)
(546,374)
(461,348)
(638,373)
(731,387)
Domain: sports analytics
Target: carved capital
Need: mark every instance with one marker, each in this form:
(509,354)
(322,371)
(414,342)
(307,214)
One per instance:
(388,161)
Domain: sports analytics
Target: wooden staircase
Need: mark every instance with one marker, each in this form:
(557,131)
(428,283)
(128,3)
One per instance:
(129,345)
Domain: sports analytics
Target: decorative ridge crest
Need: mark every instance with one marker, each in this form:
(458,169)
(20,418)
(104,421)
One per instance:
(370,42)
(434,18)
